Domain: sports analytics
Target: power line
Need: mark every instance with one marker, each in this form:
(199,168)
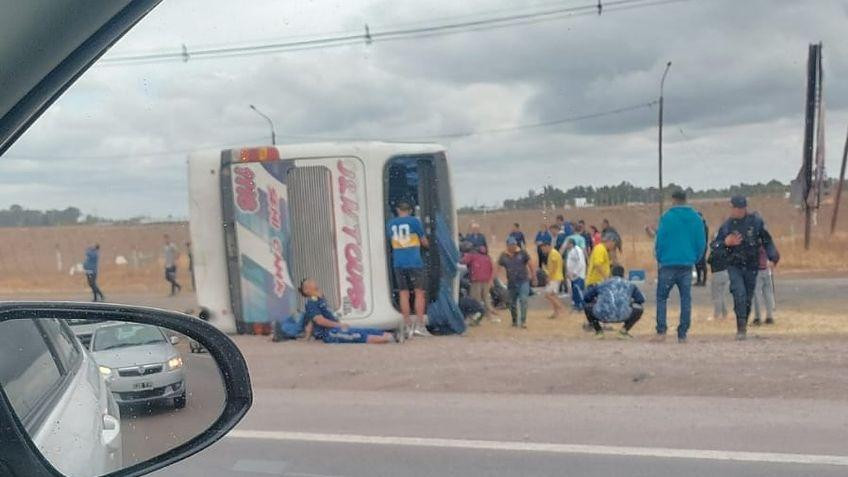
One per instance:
(140,154)
(522,127)
(368,36)
(316,137)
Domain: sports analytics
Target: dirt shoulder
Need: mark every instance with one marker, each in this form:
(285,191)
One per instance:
(797,367)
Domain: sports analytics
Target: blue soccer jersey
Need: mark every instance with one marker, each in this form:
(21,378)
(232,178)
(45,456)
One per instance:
(405,235)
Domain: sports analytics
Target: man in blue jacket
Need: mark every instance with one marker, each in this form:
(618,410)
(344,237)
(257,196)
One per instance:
(90,266)
(680,242)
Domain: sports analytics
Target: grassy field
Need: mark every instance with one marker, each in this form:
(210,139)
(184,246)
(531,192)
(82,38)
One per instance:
(29,257)
(34,259)
(828,254)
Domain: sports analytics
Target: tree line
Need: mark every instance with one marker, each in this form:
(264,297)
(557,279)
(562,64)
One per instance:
(625,193)
(18,216)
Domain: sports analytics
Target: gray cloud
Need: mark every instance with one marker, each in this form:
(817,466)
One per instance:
(735,90)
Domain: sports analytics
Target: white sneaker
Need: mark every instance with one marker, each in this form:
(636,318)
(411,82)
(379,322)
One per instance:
(421,330)
(408,331)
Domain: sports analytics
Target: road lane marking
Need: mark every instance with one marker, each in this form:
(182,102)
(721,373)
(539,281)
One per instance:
(619,451)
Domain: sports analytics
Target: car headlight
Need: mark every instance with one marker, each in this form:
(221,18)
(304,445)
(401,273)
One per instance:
(174,363)
(106,372)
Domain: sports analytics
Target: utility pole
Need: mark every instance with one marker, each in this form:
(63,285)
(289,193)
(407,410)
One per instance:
(271,123)
(660,159)
(839,188)
(813,65)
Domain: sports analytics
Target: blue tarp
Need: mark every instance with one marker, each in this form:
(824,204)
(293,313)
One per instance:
(444,315)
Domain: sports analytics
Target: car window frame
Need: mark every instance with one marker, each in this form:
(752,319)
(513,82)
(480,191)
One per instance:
(34,419)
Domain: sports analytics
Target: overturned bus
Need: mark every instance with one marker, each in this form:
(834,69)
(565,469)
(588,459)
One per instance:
(262,219)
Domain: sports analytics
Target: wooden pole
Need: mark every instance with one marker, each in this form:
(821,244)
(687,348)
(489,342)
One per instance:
(809,134)
(839,188)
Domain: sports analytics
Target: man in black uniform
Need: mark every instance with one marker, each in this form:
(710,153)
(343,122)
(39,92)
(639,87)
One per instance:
(737,244)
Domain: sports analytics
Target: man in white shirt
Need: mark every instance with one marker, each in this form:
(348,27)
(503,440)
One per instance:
(575,267)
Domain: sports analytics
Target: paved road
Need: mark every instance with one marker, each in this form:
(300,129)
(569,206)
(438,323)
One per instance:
(149,431)
(325,433)
(793,294)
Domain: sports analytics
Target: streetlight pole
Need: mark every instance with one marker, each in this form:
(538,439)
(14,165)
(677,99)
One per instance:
(662,85)
(271,123)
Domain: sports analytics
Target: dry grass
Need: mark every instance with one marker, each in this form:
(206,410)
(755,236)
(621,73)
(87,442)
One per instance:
(827,254)
(28,260)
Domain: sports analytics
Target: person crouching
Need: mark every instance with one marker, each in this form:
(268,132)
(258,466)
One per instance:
(613,301)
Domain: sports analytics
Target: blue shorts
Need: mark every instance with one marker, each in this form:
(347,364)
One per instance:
(352,335)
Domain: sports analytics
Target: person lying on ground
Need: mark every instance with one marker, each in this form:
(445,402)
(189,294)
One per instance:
(615,300)
(323,325)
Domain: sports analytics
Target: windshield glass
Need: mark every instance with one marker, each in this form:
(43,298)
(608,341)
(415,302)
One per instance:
(464,238)
(122,336)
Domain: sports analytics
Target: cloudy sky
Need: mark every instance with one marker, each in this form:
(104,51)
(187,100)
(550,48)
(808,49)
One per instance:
(116,143)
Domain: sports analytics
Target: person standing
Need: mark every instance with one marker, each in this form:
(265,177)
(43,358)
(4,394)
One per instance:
(680,242)
(587,236)
(171,254)
(481,273)
(738,243)
(407,237)
(476,237)
(615,251)
(558,243)
(564,225)
(542,236)
(518,235)
(553,270)
(578,239)
(596,235)
(519,275)
(764,291)
(90,267)
(719,286)
(701,264)
(599,262)
(575,266)
(191,266)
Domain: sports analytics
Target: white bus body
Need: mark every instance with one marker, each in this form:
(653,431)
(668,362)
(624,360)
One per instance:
(262,219)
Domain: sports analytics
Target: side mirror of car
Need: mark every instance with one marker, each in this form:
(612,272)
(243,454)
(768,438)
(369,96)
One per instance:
(132,402)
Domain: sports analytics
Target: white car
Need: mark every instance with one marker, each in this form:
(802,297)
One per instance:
(60,397)
(140,364)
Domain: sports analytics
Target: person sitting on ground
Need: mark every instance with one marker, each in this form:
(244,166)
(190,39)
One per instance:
(323,325)
(553,269)
(613,301)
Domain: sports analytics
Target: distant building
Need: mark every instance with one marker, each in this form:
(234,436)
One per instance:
(581,202)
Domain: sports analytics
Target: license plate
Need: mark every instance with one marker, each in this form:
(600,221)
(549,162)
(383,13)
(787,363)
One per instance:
(138,386)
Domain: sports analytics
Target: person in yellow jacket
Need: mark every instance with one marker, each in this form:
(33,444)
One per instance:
(553,269)
(599,261)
